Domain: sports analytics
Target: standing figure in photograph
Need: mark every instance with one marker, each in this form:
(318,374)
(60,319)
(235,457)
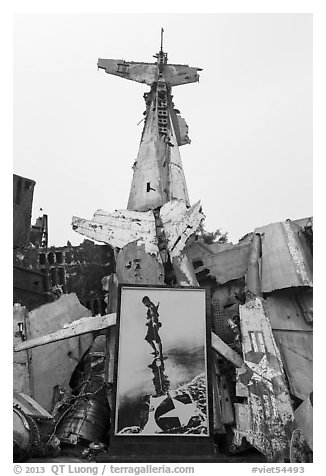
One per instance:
(153,325)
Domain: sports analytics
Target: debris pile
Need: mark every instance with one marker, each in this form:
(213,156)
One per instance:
(258,304)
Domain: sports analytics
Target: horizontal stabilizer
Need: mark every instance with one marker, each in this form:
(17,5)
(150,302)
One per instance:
(139,72)
(147,73)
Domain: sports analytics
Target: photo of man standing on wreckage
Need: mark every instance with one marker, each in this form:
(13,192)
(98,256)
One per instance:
(153,325)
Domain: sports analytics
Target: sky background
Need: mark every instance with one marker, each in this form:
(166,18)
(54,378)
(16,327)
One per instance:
(249,117)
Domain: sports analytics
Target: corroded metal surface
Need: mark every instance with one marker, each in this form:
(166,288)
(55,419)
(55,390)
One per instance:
(158,174)
(125,226)
(159,221)
(43,320)
(174,74)
(297,254)
(119,228)
(139,72)
(23,199)
(226,265)
(253,281)
(304,418)
(290,313)
(296,348)
(270,412)
(184,270)
(135,266)
(21,362)
(180,127)
(286,257)
(82,326)
(288,308)
(219,346)
(180,223)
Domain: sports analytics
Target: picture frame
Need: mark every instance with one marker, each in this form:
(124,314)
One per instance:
(161,373)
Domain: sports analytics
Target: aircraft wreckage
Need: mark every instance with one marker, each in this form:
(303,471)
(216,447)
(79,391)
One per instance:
(258,305)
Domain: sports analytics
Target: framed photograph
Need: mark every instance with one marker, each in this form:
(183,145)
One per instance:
(161,377)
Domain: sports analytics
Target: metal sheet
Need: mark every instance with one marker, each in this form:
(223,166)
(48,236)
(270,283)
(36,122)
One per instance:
(227,265)
(158,173)
(54,363)
(135,266)
(304,418)
(297,355)
(286,257)
(180,127)
(286,311)
(180,223)
(139,72)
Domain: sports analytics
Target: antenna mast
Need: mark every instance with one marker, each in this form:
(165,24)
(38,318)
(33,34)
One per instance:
(162,31)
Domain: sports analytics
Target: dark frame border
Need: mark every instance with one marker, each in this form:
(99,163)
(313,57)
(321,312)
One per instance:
(125,447)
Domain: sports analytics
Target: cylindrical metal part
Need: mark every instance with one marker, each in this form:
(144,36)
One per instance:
(89,418)
(253,275)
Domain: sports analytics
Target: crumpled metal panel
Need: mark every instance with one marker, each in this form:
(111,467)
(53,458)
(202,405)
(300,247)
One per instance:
(286,257)
(227,265)
(125,226)
(181,129)
(53,364)
(135,266)
(119,228)
(290,314)
(180,223)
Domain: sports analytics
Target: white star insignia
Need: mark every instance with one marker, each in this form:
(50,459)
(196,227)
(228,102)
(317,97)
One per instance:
(183,411)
